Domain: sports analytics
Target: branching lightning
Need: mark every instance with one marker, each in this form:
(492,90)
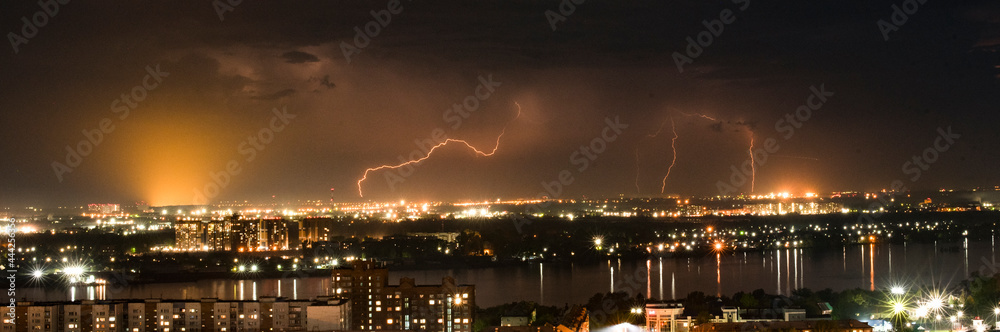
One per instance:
(698,115)
(648,136)
(673,148)
(753,168)
(442,144)
(673,161)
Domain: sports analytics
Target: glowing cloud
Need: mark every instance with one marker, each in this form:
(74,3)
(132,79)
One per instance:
(434,148)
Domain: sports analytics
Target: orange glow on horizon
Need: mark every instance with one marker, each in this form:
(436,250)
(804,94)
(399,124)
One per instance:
(171,157)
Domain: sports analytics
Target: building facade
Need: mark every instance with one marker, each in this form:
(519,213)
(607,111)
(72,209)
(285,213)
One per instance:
(237,234)
(376,305)
(267,314)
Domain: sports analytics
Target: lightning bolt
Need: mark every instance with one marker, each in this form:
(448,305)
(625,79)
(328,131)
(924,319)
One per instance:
(442,144)
(698,115)
(648,136)
(753,168)
(673,148)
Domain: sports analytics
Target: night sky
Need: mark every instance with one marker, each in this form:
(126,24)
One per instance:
(221,80)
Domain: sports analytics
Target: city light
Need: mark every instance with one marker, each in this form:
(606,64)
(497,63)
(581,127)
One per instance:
(74,270)
(898,290)
(898,308)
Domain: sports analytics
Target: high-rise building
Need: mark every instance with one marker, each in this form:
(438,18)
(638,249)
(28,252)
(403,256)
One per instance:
(316,229)
(189,235)
(217,235)
(245,234)
(236,234)
(103,208)
(376,305)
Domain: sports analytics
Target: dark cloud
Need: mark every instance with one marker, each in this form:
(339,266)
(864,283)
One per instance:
(607,59)
(325,81)
(299,57)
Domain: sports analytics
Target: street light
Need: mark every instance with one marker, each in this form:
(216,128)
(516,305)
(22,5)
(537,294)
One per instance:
(996,318)
(898,308)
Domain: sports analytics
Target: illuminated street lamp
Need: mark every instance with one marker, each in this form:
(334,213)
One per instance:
(996,318)
(898,290)
(898,308)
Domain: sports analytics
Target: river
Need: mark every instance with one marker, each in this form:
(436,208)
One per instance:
(870,266)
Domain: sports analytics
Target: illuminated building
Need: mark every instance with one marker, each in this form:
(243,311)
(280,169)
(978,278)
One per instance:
(189,235)
(315,229)
(449,237)
(217,235)
(269,313)
(103,208)
(666,317)
(236,234)
(244,234)
(376,305)
(278,234)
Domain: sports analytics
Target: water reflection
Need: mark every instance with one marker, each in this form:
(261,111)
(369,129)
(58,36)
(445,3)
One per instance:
(784,269)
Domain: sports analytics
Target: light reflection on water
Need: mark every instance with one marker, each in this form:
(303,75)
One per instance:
(875,266)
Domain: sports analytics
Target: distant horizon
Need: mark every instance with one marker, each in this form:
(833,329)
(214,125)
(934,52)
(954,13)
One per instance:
(327,201)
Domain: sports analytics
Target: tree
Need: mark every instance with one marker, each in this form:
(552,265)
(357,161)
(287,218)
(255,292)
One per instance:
(748,301)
